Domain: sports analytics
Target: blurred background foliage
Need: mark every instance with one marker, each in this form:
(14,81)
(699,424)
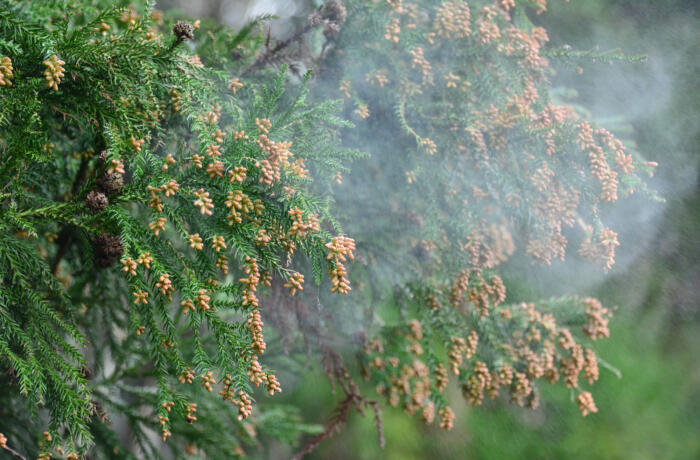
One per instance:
(653,411)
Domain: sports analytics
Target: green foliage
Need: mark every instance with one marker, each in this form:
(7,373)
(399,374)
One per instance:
(175,198)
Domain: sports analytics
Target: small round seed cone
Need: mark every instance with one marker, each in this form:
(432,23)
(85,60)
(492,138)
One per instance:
(96,201)
(108,248)
(183,30)
(111,183)
(335,11)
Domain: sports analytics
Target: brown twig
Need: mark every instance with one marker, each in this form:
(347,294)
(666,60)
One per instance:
(65,236)
(332,362)
(378,422)
(270,55)
(342,411)
(14,453)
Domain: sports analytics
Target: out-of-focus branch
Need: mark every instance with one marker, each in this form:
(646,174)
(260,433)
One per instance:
(271,54)
(338,373)
(13,452)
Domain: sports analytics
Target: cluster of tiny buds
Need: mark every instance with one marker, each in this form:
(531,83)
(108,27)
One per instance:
(242,400)
(191,410)
(214,150)
(478,381)
(196,242)
(339,250)
(362,111)
(165,434)
(377,78)
(416,329)
(169,160)
(263,238)
(116,166)
(202,300)
(140,297)
(255,326)
(203,202)
(460,349)
(136,143)
(241,206)
(6,71)
(295,283)
(255,371)
(234,85)
(392,31)
(599,164)
(165,286)
(218,243)
(187,306)
(345,87)
(158,225)
(488,29)
(222,264)
(585,403)
(215,169)
(251,282)
(278,155)
(429,146)
(145,259)
(238,174)
(598,318)
(129,266)
(227,392)
(208,380)
(258,376)
(481,380)
(447,418)
(453,20)
(299,227)
(170,188)
(187,376)
(419,61)
(54,71)
(245,405)
(263,125)
(273,386)
(212,282)
(601,249)
(441,377)
(155,202)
